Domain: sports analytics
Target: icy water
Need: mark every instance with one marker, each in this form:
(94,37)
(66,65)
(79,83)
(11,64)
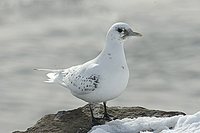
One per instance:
(164,64)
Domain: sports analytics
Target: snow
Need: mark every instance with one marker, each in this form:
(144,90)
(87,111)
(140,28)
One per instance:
(175,124)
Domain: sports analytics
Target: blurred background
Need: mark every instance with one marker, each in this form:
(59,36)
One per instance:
(164,64)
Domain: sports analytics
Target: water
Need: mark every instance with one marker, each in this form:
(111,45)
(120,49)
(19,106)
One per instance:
(164,64)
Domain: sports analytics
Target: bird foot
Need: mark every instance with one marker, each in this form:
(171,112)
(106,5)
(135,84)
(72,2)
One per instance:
(96,121)
(109,117)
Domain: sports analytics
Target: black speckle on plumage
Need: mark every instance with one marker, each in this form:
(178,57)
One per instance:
(95,85)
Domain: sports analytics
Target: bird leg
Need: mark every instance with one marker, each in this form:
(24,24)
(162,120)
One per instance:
(95,121)
(107,116)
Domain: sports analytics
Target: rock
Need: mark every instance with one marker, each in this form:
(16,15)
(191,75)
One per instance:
(79,120)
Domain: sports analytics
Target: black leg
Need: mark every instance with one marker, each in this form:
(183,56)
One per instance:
(106,115)
(94,120)
(105,109)
(91,112)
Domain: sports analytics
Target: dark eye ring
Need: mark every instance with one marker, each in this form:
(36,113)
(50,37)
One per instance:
(119,30)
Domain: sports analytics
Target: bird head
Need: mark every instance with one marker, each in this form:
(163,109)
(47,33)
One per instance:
(121,31)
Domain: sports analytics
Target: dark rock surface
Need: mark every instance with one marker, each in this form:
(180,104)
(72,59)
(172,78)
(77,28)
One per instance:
(79,120)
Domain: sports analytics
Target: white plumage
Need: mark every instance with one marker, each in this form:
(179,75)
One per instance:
(103,78)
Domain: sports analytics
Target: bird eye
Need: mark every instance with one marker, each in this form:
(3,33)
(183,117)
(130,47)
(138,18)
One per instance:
(119,30)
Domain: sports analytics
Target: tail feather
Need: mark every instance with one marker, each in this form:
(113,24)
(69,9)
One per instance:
(48,70)
(52,75)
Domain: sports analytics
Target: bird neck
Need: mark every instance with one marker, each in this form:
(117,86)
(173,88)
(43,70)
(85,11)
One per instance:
(114,46)
(113,49)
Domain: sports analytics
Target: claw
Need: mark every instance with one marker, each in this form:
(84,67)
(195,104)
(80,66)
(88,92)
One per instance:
(96,121)
(109,117)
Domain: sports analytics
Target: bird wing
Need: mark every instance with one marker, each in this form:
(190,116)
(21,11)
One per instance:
(82,79)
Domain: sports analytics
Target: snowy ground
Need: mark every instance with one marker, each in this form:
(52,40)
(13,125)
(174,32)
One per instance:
(176,124)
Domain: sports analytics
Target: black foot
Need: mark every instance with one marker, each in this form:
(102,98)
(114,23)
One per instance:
(109,117)
(106,116)
(96,121)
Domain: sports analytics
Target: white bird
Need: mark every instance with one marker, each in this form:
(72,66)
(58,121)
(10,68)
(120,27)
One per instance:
(102,78)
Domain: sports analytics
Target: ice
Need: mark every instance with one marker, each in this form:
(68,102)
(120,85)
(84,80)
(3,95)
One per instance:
(175,124)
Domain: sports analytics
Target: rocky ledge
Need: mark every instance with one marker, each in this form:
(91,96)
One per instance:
(79,120)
